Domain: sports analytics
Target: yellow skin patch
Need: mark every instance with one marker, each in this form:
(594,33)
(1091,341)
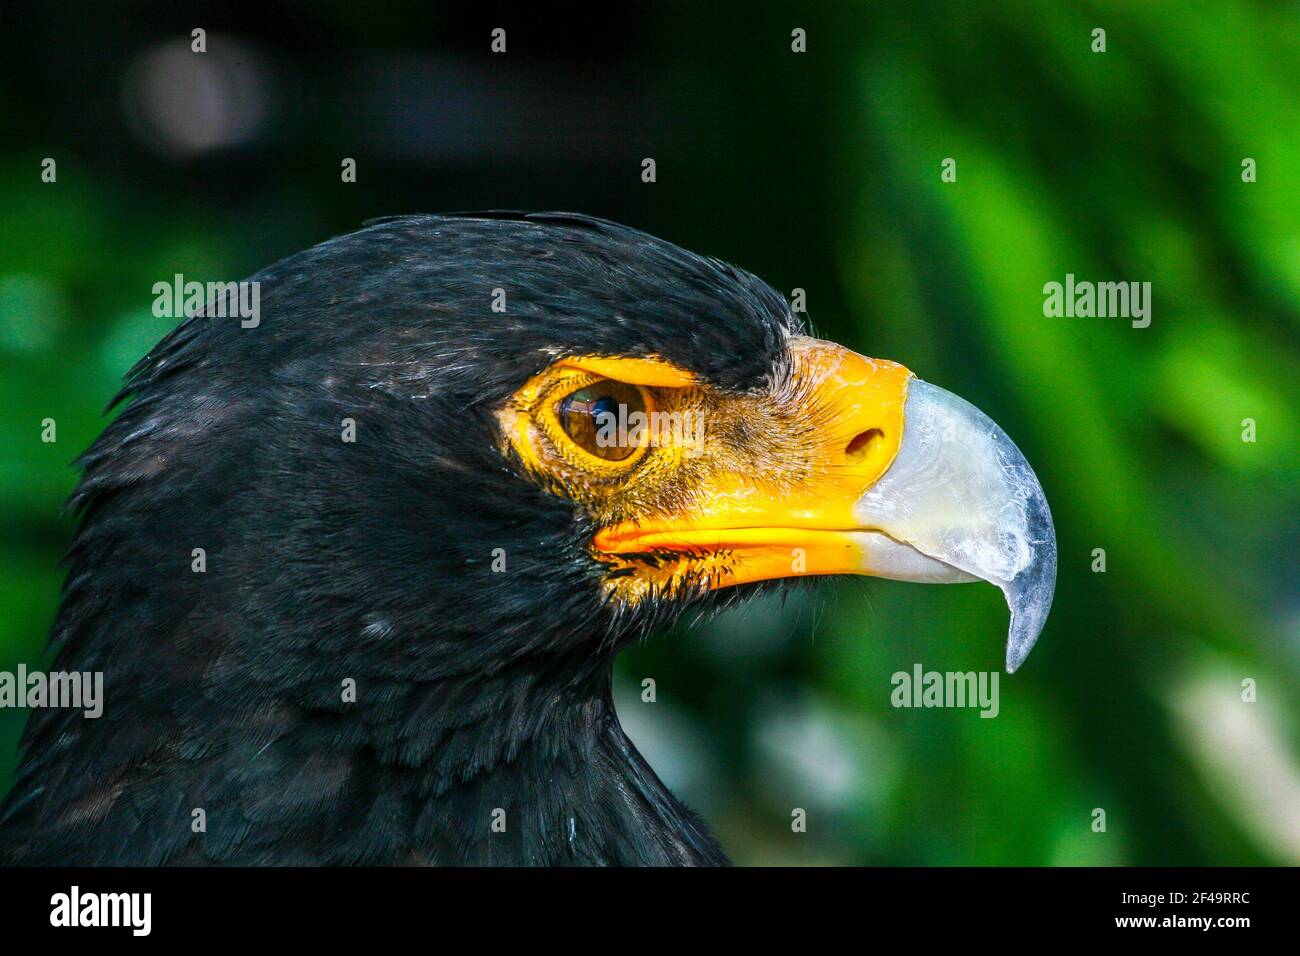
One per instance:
(769,494)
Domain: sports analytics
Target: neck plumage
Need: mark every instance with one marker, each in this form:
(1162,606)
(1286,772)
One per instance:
(578,794)
(502,770)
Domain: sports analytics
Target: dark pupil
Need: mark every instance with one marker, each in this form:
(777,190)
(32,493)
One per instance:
(593,418)
(605,405)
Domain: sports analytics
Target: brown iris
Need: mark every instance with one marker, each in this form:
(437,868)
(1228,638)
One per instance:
(606,419)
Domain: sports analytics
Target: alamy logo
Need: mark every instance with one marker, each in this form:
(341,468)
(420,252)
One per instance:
(1103,300)
(75,689)
(624,429)
(922,688)
(75,908)
(220,300)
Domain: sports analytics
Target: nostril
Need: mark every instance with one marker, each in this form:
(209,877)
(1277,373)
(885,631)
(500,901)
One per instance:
(861,445)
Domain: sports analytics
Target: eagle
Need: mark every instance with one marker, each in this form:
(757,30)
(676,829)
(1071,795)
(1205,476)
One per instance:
(356,574)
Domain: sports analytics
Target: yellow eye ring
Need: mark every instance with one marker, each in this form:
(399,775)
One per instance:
(606,419)
(533,426)
(603,422)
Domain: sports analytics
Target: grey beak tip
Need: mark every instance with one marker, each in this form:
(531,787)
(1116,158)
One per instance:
(1016,655)
(1029,596)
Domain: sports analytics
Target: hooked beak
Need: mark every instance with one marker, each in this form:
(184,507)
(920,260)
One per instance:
(962,499)
(902,480)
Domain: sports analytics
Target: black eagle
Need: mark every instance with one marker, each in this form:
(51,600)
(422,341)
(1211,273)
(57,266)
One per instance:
(457,465)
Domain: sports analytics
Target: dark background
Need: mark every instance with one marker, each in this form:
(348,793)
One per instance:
(819,171)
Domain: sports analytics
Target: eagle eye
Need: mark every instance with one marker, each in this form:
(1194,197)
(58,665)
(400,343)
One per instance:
(606,419)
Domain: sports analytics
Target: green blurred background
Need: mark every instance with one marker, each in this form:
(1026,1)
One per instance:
(819,171)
